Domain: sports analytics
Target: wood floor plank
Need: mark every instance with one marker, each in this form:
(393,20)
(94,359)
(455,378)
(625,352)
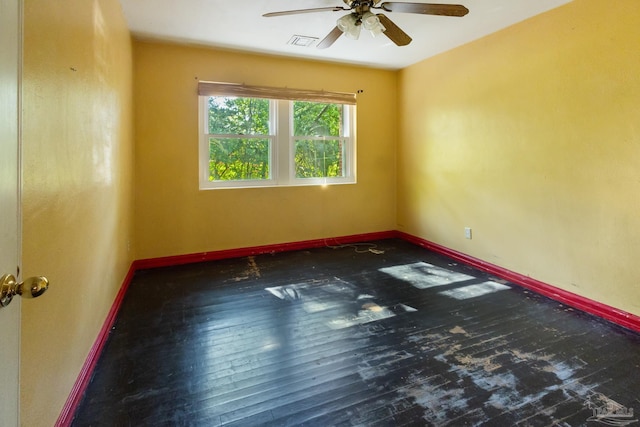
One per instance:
(339,337)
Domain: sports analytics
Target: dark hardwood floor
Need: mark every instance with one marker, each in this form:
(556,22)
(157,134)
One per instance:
(348,336)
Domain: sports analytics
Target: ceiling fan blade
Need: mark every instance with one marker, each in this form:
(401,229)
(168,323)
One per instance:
(330,39)
(296,12)
(394,32)
(426,8)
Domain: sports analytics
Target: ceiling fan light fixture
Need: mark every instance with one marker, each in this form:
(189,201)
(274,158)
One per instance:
(372,23)
(350,26)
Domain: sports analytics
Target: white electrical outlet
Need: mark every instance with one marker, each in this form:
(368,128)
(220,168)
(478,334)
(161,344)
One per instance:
(467,232)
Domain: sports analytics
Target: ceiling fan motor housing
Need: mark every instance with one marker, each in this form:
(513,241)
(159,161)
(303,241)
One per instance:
(355,4)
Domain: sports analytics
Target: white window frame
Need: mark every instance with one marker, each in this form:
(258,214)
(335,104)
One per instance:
(282,147)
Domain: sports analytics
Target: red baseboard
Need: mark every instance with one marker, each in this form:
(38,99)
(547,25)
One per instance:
(612,314)
(71,405)
(257,250)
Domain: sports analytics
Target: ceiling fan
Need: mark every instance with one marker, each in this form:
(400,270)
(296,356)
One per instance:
(361,15)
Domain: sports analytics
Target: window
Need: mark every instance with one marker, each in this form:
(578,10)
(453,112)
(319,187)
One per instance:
(259,141)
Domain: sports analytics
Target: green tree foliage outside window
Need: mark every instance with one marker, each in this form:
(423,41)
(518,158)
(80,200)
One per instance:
(238,159)
(240,141)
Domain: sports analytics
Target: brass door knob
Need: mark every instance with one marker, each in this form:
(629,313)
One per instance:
(31,288)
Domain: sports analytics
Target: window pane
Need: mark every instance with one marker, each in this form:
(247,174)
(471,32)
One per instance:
(316,119)
(238,116)
(319,158)
(238,159)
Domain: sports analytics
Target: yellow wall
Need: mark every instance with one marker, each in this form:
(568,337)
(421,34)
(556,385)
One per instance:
(531,136)
(173,217)
(78,194)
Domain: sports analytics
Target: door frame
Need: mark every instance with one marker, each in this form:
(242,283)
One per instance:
(11,34)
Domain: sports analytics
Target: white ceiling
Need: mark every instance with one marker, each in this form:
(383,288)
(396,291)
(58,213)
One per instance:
(239,25)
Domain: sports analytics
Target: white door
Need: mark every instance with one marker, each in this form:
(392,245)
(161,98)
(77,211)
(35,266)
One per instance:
(10,48)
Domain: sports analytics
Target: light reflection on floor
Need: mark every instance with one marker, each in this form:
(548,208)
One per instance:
(352,306)
(473,291)
(423,275)
(355,308)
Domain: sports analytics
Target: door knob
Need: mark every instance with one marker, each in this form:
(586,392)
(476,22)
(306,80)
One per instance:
(31,288)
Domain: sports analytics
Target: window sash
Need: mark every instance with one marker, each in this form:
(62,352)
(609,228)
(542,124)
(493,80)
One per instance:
(270,131)
(224,139)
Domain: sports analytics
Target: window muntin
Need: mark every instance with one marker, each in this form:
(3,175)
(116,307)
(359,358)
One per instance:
(248,142)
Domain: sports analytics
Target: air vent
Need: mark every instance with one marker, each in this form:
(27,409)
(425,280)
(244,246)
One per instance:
(303,41)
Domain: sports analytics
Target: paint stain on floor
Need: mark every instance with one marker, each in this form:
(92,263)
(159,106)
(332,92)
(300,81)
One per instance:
(457,330)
